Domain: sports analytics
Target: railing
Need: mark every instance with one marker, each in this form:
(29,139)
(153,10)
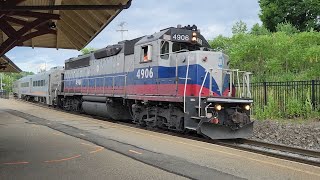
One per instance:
(246,93)
(284,95)
(186,77)
(4,94)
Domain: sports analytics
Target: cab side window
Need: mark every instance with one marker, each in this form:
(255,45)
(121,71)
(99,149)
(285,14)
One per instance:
(164,50)
(146,53)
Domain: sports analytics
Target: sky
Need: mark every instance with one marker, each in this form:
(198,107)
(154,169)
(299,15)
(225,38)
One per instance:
(213,17)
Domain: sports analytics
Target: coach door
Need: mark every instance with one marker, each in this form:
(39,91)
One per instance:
(167,76)
(49,99)
(30,86)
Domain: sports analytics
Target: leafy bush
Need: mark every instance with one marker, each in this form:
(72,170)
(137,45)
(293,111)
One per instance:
(282,56)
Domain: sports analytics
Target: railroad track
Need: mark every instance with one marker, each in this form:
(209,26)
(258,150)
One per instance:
(306,156)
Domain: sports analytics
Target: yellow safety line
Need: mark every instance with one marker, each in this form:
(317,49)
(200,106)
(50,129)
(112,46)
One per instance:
(134,151)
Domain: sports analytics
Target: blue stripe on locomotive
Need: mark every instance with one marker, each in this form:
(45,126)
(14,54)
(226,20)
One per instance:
(166,74)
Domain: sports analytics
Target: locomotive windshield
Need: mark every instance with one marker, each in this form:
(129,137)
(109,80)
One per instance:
(184,46)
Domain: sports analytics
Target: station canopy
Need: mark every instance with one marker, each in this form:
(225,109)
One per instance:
(67,24)
(6,65)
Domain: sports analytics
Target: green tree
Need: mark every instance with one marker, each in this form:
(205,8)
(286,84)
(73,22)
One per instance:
(275,56)
(259,30)
(302,14)
(220,43)
(87,50)
(287,28)
(239,28)
(9,78)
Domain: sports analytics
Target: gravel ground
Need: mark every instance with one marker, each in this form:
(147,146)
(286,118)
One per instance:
(304,135)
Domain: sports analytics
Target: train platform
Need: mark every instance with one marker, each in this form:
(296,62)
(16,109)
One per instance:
(42,143)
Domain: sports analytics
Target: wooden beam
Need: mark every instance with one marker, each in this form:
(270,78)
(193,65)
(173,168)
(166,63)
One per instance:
(100,19)
(100,15)
(88,19)
(73,31)
(23,23)
(57,2)
(2,15)
(32,14)
(110,12)
(80,21)
(57,39)
(1,36)
(7,28)
(20,36)
(76,43)
(65,7)
(5,3)
(31,25)
(32,45)
(36,33)
(7,45)
(76,26)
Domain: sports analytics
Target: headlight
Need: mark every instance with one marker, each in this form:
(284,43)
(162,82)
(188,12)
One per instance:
(194,38)
(247,107)
(194,34)
(218,107)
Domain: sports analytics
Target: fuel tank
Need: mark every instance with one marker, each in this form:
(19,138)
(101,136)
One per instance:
(113,110)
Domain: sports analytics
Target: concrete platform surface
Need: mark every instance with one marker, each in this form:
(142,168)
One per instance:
(41,143)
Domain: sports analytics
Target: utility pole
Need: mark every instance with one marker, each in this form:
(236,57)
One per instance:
(122,30)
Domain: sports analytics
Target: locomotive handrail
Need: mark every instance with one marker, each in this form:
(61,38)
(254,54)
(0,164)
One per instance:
(176,52)
(244,91)
(204,79)
(185,83)
(187,74)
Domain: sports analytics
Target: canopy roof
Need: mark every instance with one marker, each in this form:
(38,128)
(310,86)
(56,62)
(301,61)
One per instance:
(6,65)
(68,24)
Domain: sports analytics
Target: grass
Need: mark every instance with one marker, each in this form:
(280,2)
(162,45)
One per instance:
(294,109)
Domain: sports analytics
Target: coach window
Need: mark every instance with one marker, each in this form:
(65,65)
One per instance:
(164,50)
(146,53)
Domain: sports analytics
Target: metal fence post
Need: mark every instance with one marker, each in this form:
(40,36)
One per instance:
(313,94)
(265,92)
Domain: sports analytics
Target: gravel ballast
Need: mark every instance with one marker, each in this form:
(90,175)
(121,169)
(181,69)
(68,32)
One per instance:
(304,135)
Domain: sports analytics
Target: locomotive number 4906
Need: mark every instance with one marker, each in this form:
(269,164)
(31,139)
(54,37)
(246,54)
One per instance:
(145,73)
(181,37)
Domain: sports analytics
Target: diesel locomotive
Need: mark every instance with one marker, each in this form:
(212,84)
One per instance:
(170,80)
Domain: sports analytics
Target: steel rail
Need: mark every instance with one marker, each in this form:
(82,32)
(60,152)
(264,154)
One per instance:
(306,156)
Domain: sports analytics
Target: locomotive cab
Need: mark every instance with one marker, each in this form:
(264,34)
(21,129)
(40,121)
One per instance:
(181,64)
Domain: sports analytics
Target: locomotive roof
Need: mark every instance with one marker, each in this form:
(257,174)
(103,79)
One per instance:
(128,45)
(170,32)
(78,57)
(42,73)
